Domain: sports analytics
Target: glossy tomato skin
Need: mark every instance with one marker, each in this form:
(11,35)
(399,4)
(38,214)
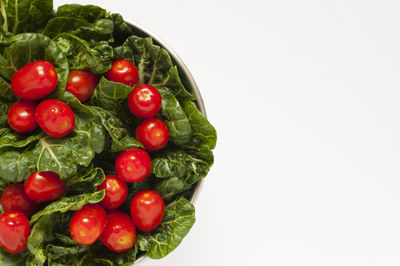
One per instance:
(82,83)
(133,165)
(14,198)
(116,192)
(144,101)
(44,186)
(34,81)
(147,210)
(120,232)
(14,231)
(88,224)
(123,71)
(21,116)
(153,134)
(55,118)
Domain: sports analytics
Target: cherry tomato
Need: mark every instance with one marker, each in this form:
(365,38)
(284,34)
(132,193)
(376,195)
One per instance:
(44,186)
(120,232)
(147,210)
(153,134)
(21,116)
(14,231)
(82,83)
(123,71)
(144,101)
(15,199)
(55,118)
(133,165)
(34,81)
(88,224)
(116,192)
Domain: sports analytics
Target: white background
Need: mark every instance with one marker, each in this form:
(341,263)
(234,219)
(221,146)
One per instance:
(305,97)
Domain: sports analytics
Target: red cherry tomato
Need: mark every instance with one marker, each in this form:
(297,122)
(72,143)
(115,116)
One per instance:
(144,101)
(88,224)
(123,71)
(44,186)
(55,118)
(14,198)
(35,80)
(120,232)
(147,210)
(82,83)
(133,165)
(153,134)
(21,116)
(14,231)
(116,192)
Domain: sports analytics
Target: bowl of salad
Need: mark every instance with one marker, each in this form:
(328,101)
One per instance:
(104,141)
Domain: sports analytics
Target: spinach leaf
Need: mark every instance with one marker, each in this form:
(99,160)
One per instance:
(154,65)
(180,131)
(72,203)
(121,29)
(110,95)
(30,47)
(178,219)
(16,166)
(90,13)
(9,138)
(40,233)
(116,130)
(180,170)
(86,180)
(3,113)
(203,132)
(6,93)
(58,25)
(100,30)
(24,15)
(81,56)
(8,259)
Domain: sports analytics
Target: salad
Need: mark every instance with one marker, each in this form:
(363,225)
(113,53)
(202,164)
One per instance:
(101,145)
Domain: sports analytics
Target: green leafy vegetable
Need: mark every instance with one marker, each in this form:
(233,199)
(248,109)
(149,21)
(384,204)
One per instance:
(40,233)
(110,95)
(178,219)
(180,131)
(72,203)
(24,15)
(81,56)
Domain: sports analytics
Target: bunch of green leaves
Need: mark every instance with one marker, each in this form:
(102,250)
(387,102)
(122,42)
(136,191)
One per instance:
(77,37)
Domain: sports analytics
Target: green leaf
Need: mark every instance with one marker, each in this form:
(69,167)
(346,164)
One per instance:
(18,16)
(180,170)
(203,132)
(121,29)
(86,180)
(81,56)
(6,93)
(8,259)
(110,95)
(154,65)
(89,13)
(16,166)
(30,47)
(10,138)
(178,219)
(180,131)
(58,25)
(40,233)
(72,203)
